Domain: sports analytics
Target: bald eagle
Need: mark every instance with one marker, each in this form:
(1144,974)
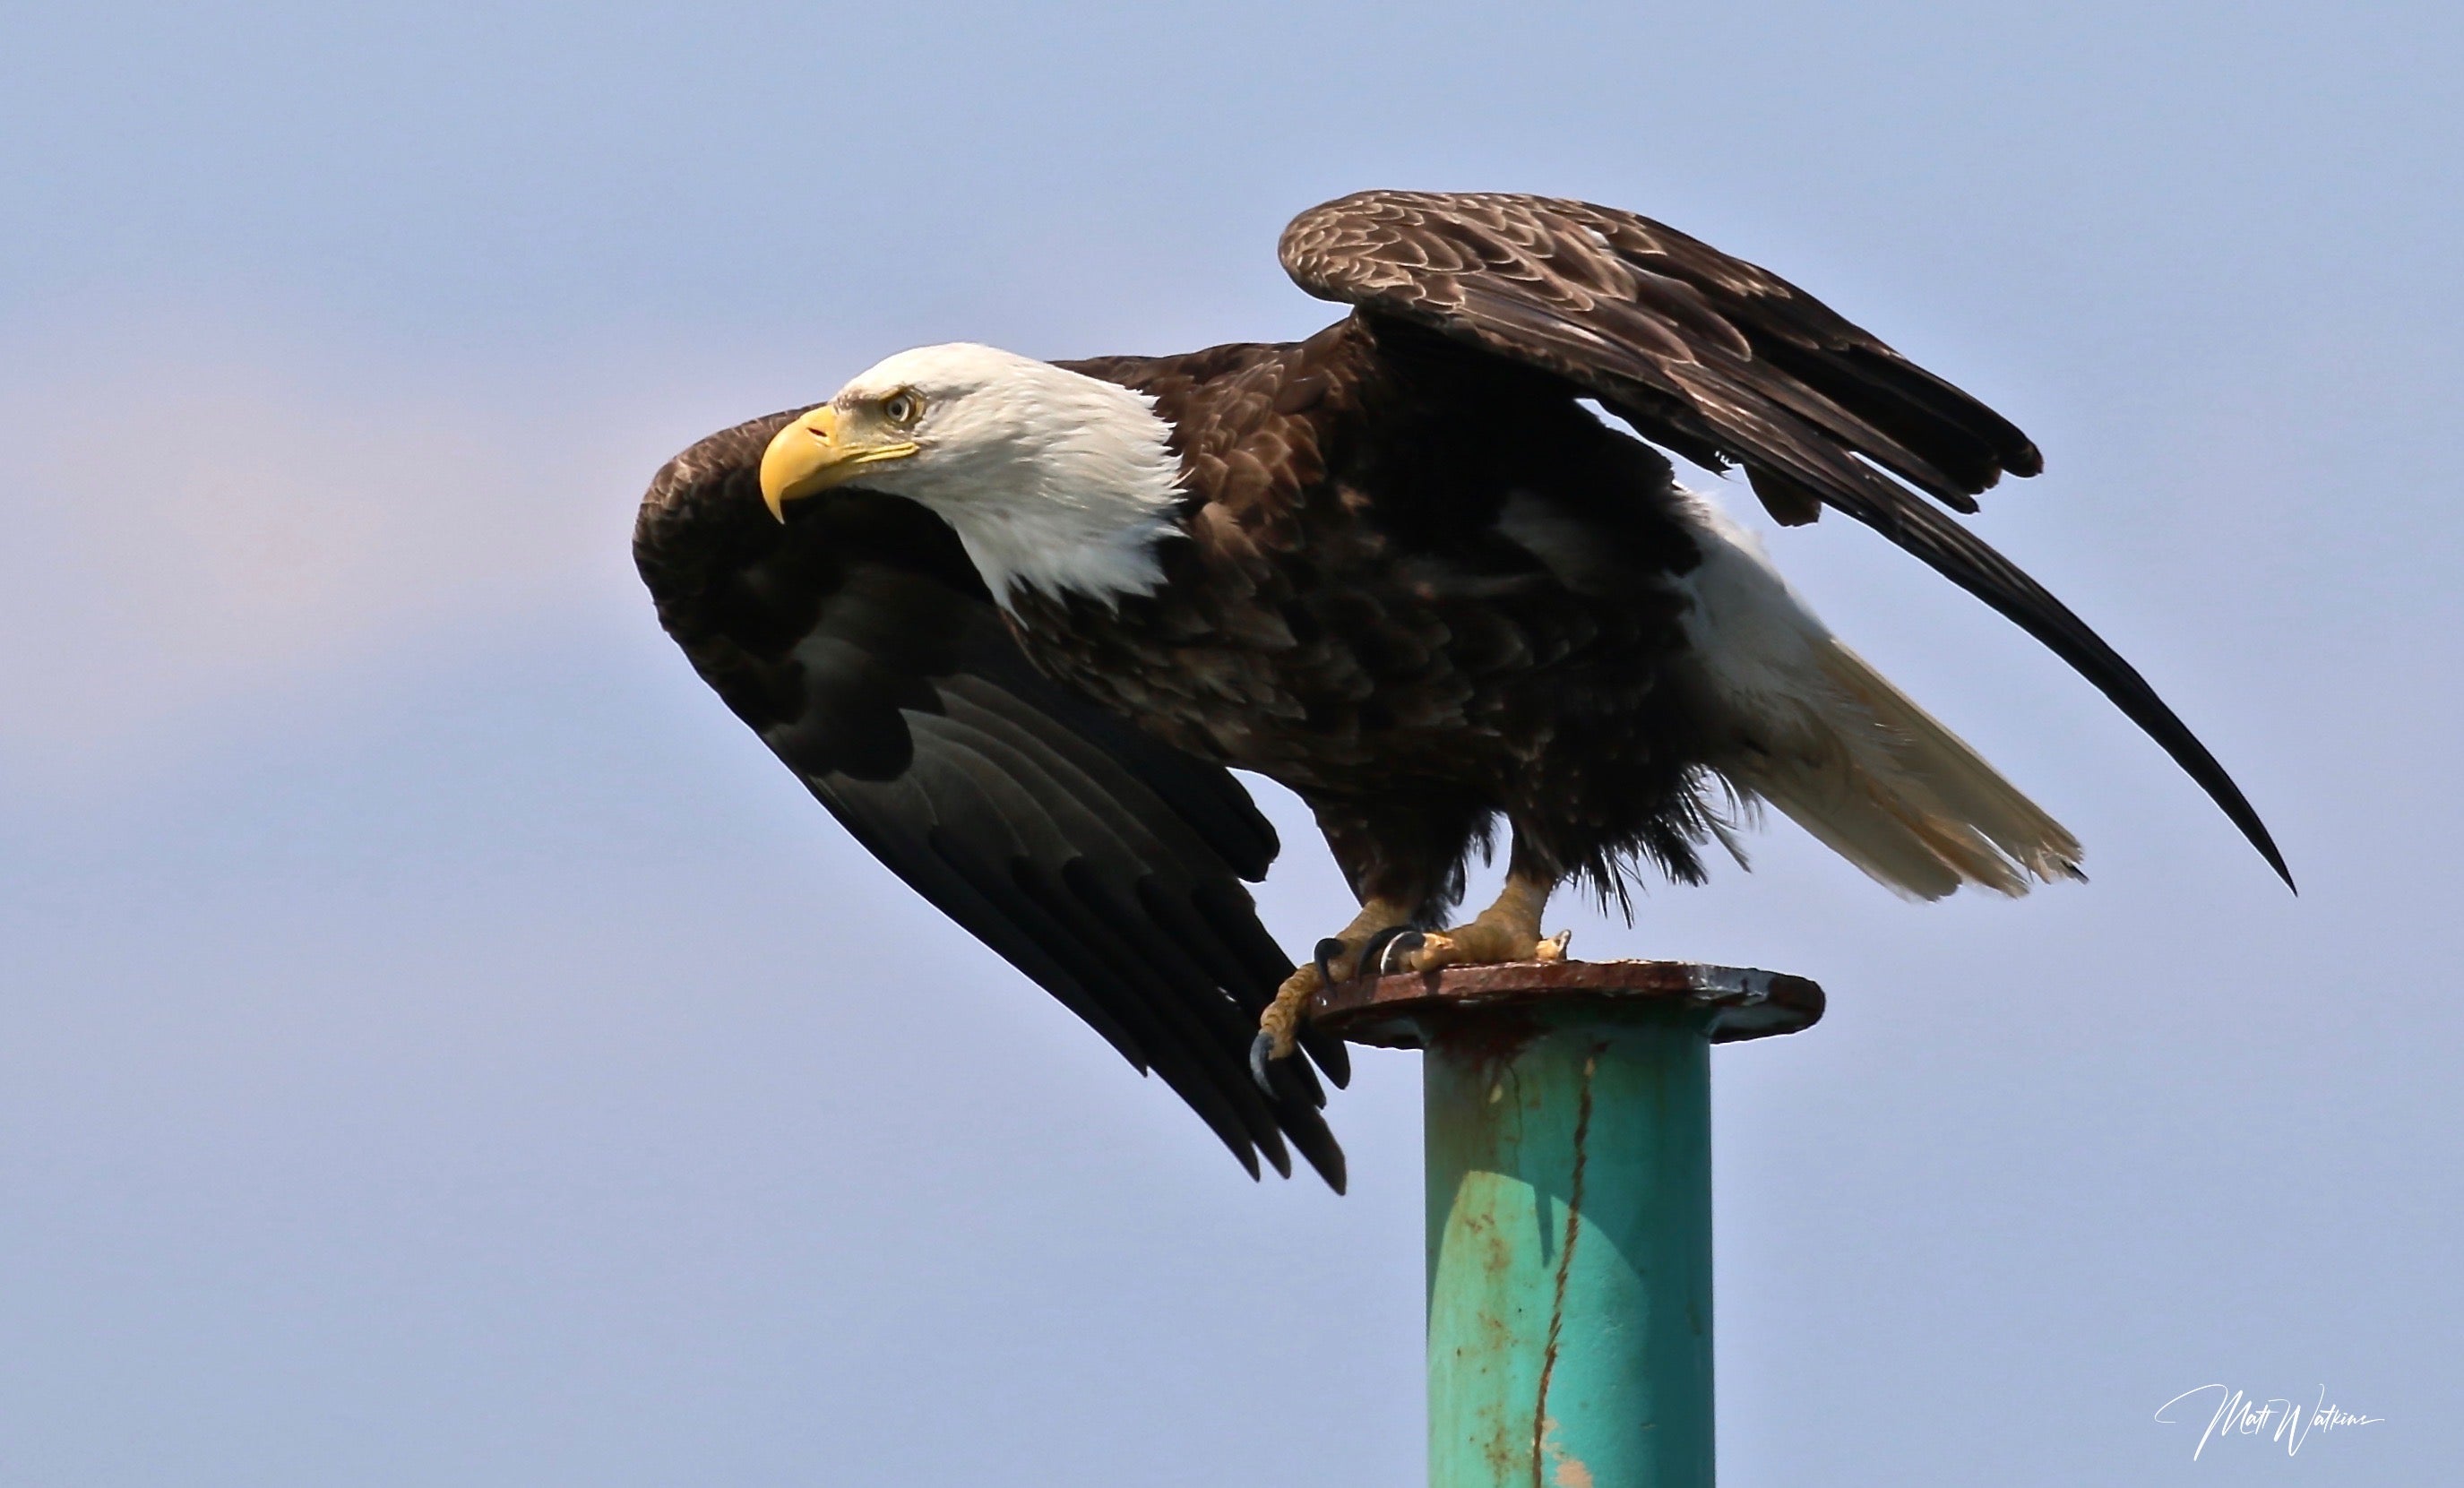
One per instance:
(1013,621)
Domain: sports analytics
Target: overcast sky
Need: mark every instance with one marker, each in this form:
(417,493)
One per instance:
(438,1046)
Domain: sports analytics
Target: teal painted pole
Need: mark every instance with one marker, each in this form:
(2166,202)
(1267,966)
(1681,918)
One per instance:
(1569,1253)
(1568,1130)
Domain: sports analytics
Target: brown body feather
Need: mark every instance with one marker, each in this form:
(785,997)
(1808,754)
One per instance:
(1417,626)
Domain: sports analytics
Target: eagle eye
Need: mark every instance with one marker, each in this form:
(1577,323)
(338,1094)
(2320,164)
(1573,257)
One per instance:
(903,407)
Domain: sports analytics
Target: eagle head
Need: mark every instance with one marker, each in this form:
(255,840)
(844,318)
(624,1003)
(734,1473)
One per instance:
(1052,479)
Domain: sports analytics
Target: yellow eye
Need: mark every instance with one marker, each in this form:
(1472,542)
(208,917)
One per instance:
(903,407)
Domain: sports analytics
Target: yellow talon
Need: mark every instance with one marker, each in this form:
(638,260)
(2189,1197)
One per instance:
(1506,930)
(1281,1022)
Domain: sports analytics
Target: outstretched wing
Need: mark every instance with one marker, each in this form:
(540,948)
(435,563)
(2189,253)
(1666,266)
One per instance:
(859,642)
(1724,362)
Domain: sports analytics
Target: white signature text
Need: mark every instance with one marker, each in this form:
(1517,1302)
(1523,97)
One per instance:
(2283,1422)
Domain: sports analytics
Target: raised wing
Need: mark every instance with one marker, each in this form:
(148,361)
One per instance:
(859,642)
(1724,362)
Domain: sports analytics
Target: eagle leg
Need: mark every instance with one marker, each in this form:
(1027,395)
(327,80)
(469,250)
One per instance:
(1339,958)
(1506,930)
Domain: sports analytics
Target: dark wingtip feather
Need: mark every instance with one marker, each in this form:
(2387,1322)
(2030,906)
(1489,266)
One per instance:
(1330,1056)
(1976,566)
(1329,1167)
(2256,832)
(2168,730)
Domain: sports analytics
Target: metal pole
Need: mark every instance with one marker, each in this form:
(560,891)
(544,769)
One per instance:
(1569,1255)
(1567,1112)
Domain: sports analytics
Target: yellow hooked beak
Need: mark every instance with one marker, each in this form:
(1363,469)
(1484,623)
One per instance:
(809,456)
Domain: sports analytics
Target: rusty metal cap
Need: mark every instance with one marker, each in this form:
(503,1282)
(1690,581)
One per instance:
(1405,1010)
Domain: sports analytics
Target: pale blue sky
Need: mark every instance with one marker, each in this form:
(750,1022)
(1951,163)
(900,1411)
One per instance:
(438,1046)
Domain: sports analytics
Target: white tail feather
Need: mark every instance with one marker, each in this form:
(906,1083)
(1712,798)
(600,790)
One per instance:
(1822,736)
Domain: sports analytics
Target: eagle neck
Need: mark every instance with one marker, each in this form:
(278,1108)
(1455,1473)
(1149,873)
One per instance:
(1078,504)
(1103,546)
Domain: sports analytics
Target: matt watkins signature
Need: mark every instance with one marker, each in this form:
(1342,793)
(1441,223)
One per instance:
(2285,1423)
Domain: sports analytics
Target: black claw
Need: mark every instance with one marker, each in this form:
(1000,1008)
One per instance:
(1262,1049)
(1326,950)
(1378,955)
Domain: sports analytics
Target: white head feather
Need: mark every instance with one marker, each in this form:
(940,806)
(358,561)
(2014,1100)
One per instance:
(1053,480)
